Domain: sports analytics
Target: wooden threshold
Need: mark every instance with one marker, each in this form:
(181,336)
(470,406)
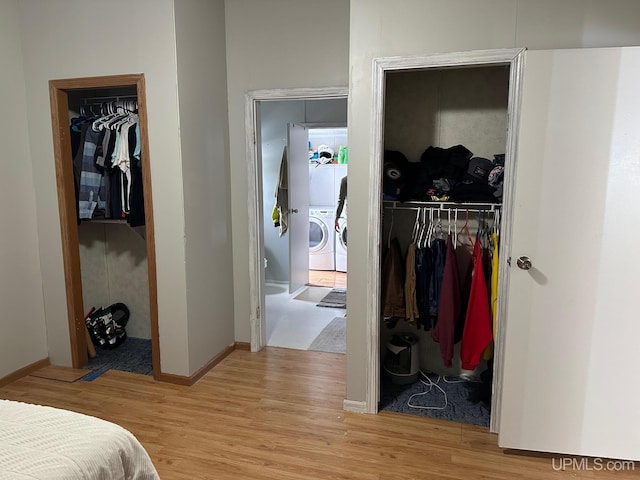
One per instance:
(60,374)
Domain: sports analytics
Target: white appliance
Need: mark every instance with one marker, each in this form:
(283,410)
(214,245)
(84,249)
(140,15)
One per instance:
(341,243)
(322,184)
(321,238)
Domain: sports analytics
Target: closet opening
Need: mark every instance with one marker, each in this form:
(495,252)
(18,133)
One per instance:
(443,154)
(106,222)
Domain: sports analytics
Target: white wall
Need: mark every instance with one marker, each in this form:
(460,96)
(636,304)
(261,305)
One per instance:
(23,340)
(274,116)
(202,90)
(381,28)
(58,39)
(114,268)
(274,44)
(445,108)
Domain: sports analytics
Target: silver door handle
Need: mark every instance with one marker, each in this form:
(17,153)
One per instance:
(294,210)
(524,263)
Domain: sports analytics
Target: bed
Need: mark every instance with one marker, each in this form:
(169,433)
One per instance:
(38,442)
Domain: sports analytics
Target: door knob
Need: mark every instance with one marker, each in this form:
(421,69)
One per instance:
(294,210)
(524,263)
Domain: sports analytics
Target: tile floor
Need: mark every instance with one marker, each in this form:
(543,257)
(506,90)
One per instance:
(293,320)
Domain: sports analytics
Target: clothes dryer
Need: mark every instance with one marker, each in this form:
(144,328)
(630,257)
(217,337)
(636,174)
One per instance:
(321,238)
(322,184)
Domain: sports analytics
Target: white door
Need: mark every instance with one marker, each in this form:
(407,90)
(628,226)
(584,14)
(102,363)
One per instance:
(298,182)
(573,324)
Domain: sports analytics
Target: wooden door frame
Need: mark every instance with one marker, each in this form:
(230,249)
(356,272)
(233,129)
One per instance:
(514,58)
(58,93)
(254,169)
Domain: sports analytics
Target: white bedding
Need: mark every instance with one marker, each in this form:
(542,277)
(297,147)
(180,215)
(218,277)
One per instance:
(38,442)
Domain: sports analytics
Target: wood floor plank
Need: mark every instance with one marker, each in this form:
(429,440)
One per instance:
(277,415)
(322,278)
(62,374)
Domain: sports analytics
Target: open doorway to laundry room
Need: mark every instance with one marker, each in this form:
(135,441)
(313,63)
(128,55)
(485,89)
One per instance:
(301,152)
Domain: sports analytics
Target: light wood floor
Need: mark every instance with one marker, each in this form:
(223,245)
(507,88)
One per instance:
(322,278)
(278,414)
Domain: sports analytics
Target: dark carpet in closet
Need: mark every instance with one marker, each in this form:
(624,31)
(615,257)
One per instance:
(134,355)
(462,399)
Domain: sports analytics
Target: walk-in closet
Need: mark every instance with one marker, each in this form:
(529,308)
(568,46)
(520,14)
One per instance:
(104,195)
(445,138)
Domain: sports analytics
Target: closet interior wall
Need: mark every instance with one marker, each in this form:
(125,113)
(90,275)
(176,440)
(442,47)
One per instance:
(440,108)
(113,255)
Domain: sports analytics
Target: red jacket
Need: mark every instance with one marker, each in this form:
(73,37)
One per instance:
(477,333)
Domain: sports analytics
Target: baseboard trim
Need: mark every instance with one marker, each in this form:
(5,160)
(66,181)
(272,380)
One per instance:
(190,380)
(354,406)
(242,346)
(24,371)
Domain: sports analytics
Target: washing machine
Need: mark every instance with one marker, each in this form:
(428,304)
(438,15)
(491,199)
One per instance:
(341,243)
(322,238)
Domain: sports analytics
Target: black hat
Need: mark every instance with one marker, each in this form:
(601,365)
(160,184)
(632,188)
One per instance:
(479,169)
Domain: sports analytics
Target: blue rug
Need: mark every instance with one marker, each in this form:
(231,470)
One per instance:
(134,355)
(462,399)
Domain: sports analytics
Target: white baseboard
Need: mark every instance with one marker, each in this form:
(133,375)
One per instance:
(354,406)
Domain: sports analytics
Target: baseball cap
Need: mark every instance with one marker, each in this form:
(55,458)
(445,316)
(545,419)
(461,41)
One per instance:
(479,169)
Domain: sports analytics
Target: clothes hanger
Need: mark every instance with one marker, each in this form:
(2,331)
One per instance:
(416,226)
(455,229)
(423,227)
(495,228)
(439,227)
(480,229)
(430,229)
(465,230)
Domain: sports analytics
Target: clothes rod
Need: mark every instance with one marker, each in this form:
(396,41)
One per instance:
(395,205)
(110,98)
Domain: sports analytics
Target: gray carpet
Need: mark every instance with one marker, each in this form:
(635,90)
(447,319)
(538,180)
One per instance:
(333,338)
(336,298)
(134,355)
(463,400)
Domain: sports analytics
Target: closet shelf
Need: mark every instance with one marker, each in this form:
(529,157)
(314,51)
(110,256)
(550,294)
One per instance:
(396,205)
(108,220)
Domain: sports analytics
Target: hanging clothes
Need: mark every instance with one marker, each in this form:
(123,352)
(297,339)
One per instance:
(108,165)
(136,215)
(494,280)
(282,194)
(393,284)
(438,251)
(423,278)
(449,306)
(91,196)
(78,134)
(464,257)
(493,293)
(410,300)
(477,332)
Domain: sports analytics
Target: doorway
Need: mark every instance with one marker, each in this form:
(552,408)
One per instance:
(62,94)
(312,107)
(301,316)
(383,66)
